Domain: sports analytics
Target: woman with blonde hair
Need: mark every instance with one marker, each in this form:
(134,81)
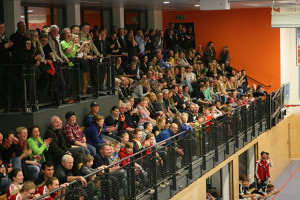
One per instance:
(37,46)
(160,124)
(144,112)
(155,106)
(68,46)
(141,90)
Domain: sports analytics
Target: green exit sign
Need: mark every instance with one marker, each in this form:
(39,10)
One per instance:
(180,17)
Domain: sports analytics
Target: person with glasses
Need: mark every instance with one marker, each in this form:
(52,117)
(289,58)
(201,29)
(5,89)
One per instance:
(26,192)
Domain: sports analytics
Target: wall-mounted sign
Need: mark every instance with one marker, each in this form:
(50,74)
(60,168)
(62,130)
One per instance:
(180,17)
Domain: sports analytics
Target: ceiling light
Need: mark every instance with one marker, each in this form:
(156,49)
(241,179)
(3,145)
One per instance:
(166,2)
(22,16)
(197,5)
(30,11)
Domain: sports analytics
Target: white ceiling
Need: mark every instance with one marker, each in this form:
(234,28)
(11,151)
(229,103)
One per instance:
(174,4)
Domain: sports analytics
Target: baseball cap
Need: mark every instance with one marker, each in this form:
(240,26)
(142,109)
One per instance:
(93,104)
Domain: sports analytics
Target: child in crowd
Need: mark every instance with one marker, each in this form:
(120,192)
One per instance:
(215,112)
(151,139)
(85,166)
(137,142)
(124,139)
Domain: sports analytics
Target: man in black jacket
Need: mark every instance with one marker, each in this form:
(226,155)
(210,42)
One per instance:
(58,147)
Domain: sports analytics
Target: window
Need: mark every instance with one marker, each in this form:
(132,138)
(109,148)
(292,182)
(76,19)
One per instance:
(135,19)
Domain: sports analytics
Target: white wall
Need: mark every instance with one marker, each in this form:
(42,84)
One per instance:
(289,69)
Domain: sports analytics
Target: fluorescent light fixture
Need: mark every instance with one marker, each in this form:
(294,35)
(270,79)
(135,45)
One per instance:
(22,16)
(166,2)
(197,5)
(30,11)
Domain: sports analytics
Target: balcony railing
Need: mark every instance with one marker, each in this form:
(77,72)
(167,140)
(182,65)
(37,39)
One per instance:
(163,172)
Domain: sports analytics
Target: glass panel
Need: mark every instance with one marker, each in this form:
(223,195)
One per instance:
(93,17)
(38,17)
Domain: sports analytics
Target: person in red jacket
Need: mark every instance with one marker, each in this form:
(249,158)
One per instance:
(262,170)
(126,151)
(26,192)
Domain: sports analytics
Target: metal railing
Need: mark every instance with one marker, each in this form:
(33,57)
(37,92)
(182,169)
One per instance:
(164,171)
(26,88)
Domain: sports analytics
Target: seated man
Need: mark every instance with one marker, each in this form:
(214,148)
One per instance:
(74,135)
(102,160)
(167,134)
(125,118)
(58,147)
(63,171)
(94,111)
(244,191)
(47,172)
(266,191)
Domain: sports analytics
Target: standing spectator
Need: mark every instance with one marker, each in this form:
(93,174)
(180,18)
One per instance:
(262,170)
(17,38)
(68,46)
(132,46)
(101,43)
(170,41)
(114,45)
(75,29)
(74,135)
(85,36)
(158,41)
(139,38)
(55,44)
(122,41)
(224,55)
(5,45)
(209,53)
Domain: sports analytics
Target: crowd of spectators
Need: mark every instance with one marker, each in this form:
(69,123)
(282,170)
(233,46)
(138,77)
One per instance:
(165,86)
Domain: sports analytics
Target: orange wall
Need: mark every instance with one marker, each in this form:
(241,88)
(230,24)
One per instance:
(93,18)
(252,43)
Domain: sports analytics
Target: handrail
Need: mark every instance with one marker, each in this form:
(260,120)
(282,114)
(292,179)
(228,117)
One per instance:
(253,79)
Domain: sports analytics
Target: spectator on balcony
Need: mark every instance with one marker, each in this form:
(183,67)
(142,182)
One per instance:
(63,171)
(26,192)
(144,112)
(138,144)
(17,38)
(224,55)
(139,38)
(37,46)
(85,36)
(141,90)
(74,135)
(68,46)
(132,46)
(50,185)
(160,126)
(170,40)
(260,92)
(46,47)
(36,144)
(113,119)
(8,152)
(58,147)
(158,42)
(209,53)
(5,45)
(47,170)
(114,45)
(55,44)
(122,41)
(75,29)
(101,43)
(95,133)
(32,162)
(125,118)
(25,54)
(94,106)
(16,177)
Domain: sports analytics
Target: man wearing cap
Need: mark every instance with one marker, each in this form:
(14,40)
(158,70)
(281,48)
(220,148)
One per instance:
(94,111)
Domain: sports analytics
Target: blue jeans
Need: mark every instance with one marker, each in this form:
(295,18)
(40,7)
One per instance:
(35,170)
(188,83)
(4,183)
(89,150)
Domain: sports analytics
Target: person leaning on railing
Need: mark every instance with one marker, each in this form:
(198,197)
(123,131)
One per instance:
(63,171)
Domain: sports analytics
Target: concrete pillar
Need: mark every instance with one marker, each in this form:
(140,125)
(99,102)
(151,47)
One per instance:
(155,18)
(73,13)
(250,162)
(118,16)
(235,178)
(225,183)
(12,15)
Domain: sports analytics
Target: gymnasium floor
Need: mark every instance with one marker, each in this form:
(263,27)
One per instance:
(288,183)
